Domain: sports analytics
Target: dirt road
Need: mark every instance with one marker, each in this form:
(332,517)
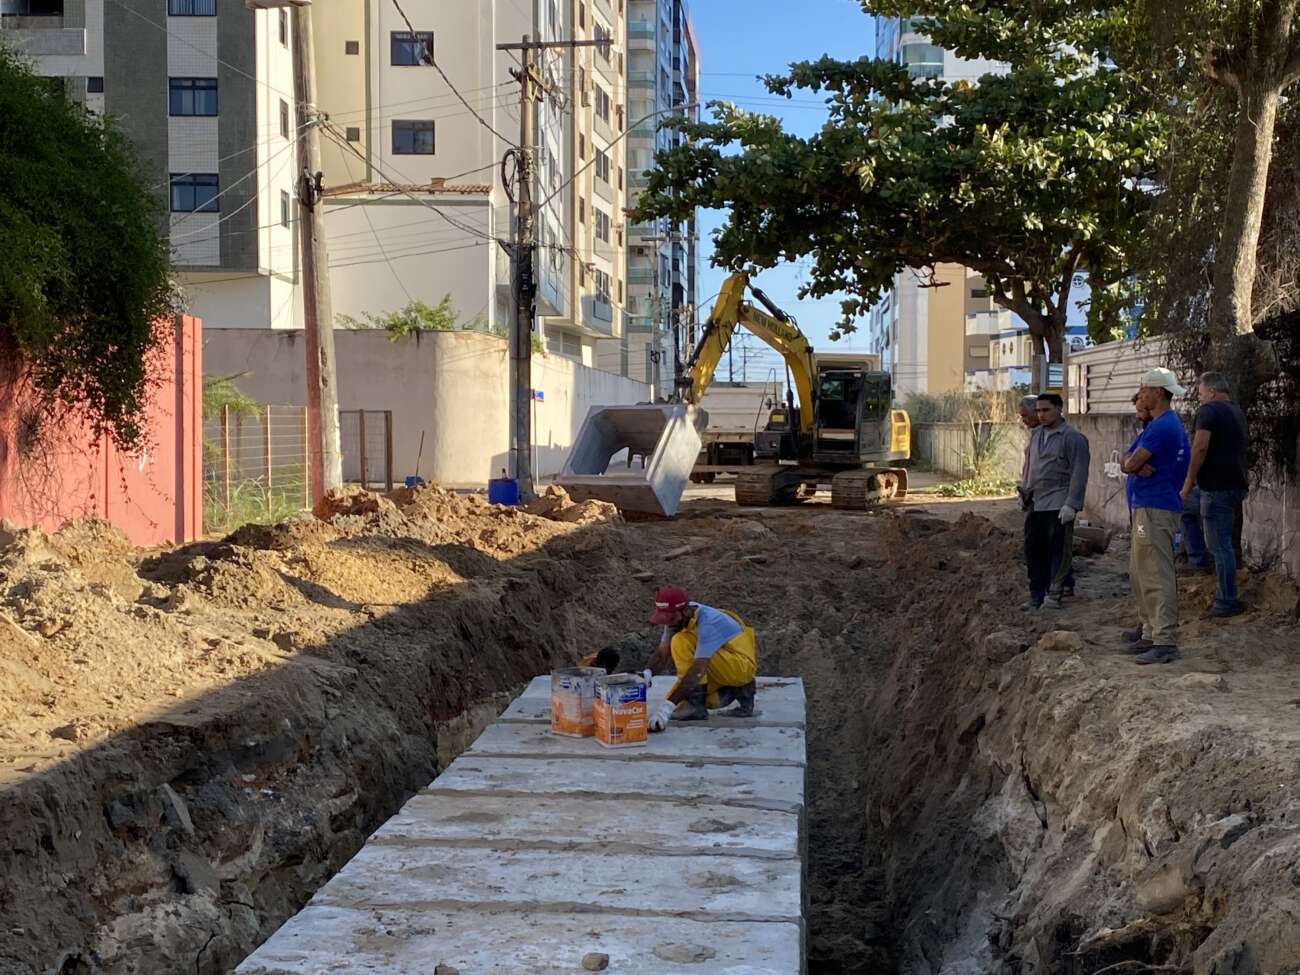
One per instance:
(191,741)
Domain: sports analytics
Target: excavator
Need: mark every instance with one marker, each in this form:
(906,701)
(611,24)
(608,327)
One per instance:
(842,430)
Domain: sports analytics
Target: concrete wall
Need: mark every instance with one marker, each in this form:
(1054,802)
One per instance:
(449,386)
(948,447)
(1271,535)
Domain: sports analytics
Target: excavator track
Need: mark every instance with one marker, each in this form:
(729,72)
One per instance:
(860,490)
(771,484)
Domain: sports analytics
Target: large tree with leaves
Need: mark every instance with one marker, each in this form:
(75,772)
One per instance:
(1027,178)
(84,284)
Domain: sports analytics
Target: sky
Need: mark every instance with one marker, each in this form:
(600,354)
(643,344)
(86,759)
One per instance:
(738,40)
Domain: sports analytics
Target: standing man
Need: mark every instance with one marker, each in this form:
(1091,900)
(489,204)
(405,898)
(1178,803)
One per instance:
(714,653)
(1056,478)
(1220,470)
(1159,458)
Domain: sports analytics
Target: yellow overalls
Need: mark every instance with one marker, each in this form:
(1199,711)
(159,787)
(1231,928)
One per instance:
(734,664)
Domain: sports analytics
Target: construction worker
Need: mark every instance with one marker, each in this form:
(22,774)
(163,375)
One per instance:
(714,654)
(607,658)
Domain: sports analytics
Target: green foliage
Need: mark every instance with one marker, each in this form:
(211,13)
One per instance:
(252,502)
(1025,178)
(85,293)
(977,487)
(417,316)
(221,392)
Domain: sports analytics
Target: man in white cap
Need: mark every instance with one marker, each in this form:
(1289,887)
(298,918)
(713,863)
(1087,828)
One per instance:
(1159,458)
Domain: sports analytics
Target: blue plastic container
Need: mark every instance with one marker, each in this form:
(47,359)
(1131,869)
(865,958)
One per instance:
(503,490)
(413,480)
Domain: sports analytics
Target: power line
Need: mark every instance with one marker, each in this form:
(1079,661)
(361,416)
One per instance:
(428,58)
(249,202)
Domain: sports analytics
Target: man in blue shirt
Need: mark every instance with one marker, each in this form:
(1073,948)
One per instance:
(1159,458)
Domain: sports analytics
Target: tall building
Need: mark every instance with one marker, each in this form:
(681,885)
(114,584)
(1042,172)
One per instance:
(204,89)
(662,257)
(920,328)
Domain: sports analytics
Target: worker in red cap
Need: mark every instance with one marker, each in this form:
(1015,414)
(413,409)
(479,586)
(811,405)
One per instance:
(715,656)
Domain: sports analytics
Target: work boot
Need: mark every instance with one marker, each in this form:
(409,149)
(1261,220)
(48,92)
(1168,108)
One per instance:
(695,707)
(1159,654)
(744,695)
(1223,612)
(1134,635)
(1053,602)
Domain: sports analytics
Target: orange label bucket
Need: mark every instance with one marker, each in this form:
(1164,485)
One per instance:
(622,716)
(573,692)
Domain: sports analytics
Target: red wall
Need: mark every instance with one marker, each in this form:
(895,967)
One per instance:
(155,496)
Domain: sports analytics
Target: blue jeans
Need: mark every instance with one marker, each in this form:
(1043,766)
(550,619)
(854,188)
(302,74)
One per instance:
(1193,535)
(1219,516)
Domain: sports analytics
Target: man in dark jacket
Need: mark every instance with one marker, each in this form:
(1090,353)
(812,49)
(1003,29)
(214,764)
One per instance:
(1056,477)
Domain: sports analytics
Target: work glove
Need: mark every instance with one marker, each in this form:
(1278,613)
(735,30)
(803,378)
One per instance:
(663,714)
(1067,514)
(649,677)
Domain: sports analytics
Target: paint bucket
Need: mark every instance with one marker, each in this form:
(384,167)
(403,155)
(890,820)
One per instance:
(573,695)
(622,715)
(503,490)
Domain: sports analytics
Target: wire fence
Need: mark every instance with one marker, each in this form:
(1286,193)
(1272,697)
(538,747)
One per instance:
(255,463)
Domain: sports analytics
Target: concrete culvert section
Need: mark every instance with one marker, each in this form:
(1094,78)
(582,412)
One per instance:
(194,743)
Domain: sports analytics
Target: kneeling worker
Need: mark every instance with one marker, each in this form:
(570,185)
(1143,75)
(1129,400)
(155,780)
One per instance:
(714,654)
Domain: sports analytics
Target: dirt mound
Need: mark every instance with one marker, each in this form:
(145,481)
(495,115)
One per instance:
(554,503)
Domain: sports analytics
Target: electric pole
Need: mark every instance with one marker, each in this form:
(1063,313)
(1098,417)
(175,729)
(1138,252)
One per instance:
(325,461)
(532,89)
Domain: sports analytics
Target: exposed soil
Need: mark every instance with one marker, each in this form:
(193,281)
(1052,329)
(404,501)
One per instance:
(193,740)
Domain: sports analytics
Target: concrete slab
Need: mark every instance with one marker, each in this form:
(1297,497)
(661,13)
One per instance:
(682,742)
(574,823)
(778,702)
(777,787)
(483,941)
(414,876)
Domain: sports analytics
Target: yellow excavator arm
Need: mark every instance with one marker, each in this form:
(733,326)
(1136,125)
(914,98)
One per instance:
(730,311)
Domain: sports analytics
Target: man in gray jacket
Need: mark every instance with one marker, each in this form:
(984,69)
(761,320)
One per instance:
(1056,477)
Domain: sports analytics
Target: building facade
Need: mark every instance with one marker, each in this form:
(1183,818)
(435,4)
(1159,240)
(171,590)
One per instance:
(415,204)
(662,257)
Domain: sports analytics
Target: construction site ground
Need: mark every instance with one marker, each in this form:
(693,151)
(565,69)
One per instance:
(194,740)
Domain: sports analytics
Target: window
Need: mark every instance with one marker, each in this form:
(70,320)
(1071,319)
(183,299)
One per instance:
(192,96)
(192,8)
(284,119)
(602,286)
(351,47)
(582,210)
(582,15)
(405,48)
(284,209)
(602,103)
(413,137)
(606,36)
(620,292)
(620,118)
(582,146)
(979,292)
(194,193)
(602,224)
(284,27)
(353,133)
(602,165)
(620,177)
(582,84)
(95,86)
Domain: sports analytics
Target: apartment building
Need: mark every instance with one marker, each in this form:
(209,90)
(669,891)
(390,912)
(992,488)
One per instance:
(920,328)
(662,258)
(204,89)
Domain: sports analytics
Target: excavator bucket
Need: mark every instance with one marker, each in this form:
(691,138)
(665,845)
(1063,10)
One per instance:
(636,457)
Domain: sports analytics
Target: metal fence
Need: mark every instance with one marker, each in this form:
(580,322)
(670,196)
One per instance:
(255,464)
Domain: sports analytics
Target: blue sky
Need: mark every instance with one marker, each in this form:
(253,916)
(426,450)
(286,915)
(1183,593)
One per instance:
(738,40)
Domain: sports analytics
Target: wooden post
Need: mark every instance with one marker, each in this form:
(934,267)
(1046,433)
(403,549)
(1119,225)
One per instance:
(225,456)
(361,444)
(306,459)
(266,454)
(388,449)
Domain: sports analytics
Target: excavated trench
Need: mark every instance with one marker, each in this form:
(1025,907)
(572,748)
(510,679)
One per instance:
(974,805)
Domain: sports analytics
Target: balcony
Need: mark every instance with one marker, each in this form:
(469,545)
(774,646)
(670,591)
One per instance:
(603,128)
(603,190)
(36,28)
(641,79)
(598,314)
(641,35)
(604,250)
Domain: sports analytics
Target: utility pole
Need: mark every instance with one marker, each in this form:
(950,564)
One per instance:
(325,460)
(532,89)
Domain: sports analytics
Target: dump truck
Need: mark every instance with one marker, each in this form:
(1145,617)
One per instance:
(736,411)
(839,430)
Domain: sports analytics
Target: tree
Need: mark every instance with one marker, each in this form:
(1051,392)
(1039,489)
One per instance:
(417,316)
(1027,178)
(85,294)
(1251,49)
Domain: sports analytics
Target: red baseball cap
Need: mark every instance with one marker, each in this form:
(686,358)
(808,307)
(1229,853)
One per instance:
(669,601)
